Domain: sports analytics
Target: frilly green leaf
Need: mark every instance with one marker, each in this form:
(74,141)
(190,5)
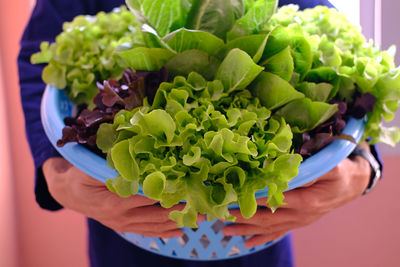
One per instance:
(154,184)
(201,144)
(237,70)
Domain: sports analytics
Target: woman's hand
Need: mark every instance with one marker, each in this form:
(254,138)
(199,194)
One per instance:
(305,205)
(77,191)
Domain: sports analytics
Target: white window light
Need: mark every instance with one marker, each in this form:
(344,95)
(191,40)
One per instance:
(350,8)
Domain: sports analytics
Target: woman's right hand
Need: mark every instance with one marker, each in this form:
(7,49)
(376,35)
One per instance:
(77,191)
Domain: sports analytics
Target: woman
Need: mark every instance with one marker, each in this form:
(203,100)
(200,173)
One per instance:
(59,184)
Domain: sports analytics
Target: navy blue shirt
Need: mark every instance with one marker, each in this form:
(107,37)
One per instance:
(106,248)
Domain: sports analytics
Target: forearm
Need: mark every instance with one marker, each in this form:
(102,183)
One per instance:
(46,15)
(45,24)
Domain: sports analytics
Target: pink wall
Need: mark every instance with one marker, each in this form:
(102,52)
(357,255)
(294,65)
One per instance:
(363,233)
(44,239)
(8,244)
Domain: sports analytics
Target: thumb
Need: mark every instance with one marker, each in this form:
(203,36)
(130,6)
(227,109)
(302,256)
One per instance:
(57,164)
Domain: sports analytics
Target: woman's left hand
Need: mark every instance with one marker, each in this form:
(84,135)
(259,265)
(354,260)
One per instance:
(305,205)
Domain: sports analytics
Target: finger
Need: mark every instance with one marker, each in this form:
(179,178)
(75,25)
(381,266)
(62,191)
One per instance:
(262,239)
(310,199)
(124,205)
(262,202)
(151,227)
(169,234)
(151,214)
(324,193)
(243,229)
(138,201)
(266,217)
(309,184)
(107,205)
(249,229)
(302,196)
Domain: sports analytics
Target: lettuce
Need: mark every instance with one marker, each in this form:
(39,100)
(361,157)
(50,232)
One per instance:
(316,52)
(313,113)
(257,15)
(343,63)
(86,52)
(273,91)
(243,83)
(146,59)
(183,39)
(208,143)
(222,128)
(237,70)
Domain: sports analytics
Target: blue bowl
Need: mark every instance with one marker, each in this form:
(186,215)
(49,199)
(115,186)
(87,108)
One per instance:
(207,242)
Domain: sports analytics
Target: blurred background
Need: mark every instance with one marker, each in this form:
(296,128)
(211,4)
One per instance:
(363,233)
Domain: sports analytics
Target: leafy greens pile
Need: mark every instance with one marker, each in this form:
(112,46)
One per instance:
(208,143)
(342,57)
(113,96)
(245,84)
(85,53)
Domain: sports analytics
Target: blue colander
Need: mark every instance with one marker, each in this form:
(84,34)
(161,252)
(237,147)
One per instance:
(207,242)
